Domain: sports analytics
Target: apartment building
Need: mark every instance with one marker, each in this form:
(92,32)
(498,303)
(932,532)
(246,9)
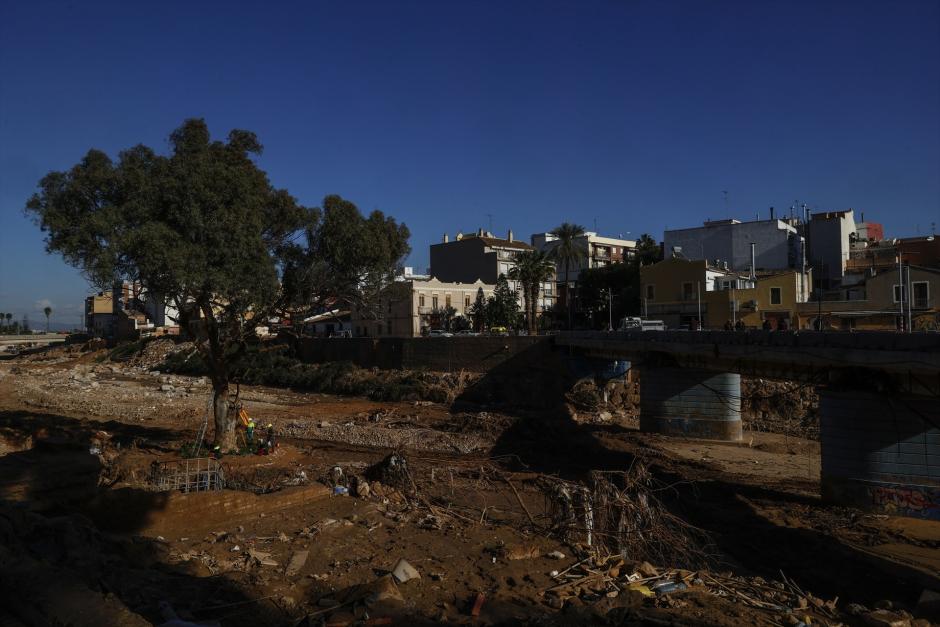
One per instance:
(830,235)
(482,257)
(599,251)
(778,244)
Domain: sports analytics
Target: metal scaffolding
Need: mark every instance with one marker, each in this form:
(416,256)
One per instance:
(199,474)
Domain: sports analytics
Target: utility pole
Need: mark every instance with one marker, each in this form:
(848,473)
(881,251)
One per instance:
(910,298)
(900,293)
(698,293)
(610,309)
(734,307)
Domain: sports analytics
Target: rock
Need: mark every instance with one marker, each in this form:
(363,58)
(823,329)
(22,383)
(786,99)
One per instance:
(647,570)
(362,488)
(383,589)
(854,609)
(378,489)
(556,555)
(404,571)
(555,602)
(521,552)
(262,557)
(166,387)
(885,618)
(297,561)
(281,536)
(327,602)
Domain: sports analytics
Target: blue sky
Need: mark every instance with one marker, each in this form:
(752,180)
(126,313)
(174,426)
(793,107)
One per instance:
(634,114)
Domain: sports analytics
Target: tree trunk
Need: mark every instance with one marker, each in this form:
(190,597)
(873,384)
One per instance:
(224,420)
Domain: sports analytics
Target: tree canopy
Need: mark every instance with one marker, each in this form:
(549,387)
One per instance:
(204,229)
(502,308)
(532,268)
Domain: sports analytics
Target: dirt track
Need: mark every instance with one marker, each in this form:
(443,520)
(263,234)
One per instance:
(758,502)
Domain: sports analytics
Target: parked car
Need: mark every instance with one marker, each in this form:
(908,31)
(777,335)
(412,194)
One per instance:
(467,333)
(499,331)
(439,333)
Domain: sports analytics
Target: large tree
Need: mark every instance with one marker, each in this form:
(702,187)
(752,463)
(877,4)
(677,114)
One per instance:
(478,311)
(532,268)
(568,250)
(204,229)
(502,308)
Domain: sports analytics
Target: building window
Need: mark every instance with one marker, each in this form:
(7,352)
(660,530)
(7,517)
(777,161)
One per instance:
(900,293)
(388,326)
(447,300)
(466,303)
(651,292)
(687,291)
(434,302)
(775,296)
(420,300)
(920,292)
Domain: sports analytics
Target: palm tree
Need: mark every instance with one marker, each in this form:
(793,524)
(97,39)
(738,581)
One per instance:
(9,318)
(2,319)
(48,311)
(531,269)
(567,251)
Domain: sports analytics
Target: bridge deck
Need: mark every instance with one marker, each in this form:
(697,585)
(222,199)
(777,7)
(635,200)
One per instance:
(914,357)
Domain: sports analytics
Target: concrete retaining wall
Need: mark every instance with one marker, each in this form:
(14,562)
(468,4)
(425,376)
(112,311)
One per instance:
(881,453)
(472,354)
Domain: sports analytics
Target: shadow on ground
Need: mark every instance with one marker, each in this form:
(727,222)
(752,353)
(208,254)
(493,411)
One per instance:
(57,566)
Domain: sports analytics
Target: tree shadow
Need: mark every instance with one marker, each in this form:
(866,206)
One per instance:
(58,562)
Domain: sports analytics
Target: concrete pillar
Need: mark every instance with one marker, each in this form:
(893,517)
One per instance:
(881,453)
(690,402)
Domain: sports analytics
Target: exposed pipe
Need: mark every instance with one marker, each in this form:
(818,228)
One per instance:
(753,261)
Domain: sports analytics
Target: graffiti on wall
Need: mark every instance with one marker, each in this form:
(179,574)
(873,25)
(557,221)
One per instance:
(919,501)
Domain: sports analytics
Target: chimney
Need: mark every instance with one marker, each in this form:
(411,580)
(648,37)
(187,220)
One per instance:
(863,216)
(480,232)
(753,261)
(459,236)
(510,236)
(771,213)
(446,239)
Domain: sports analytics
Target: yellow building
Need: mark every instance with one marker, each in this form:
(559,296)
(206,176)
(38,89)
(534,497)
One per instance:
(678,291)
(880,303)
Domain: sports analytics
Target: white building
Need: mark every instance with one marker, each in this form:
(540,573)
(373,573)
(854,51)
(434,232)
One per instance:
(599,251)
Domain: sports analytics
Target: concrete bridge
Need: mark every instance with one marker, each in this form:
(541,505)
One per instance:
(879,399)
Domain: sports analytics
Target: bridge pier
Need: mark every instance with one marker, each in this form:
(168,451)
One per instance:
(690,402)
(881,453)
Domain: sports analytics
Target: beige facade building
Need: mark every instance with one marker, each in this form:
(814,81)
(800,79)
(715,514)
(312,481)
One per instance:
(411,307)
(880,303)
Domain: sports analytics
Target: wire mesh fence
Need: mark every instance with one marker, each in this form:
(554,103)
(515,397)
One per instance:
(198,474)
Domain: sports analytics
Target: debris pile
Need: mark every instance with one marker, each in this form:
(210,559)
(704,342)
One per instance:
(592,579)
(786,407)
(616,513)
